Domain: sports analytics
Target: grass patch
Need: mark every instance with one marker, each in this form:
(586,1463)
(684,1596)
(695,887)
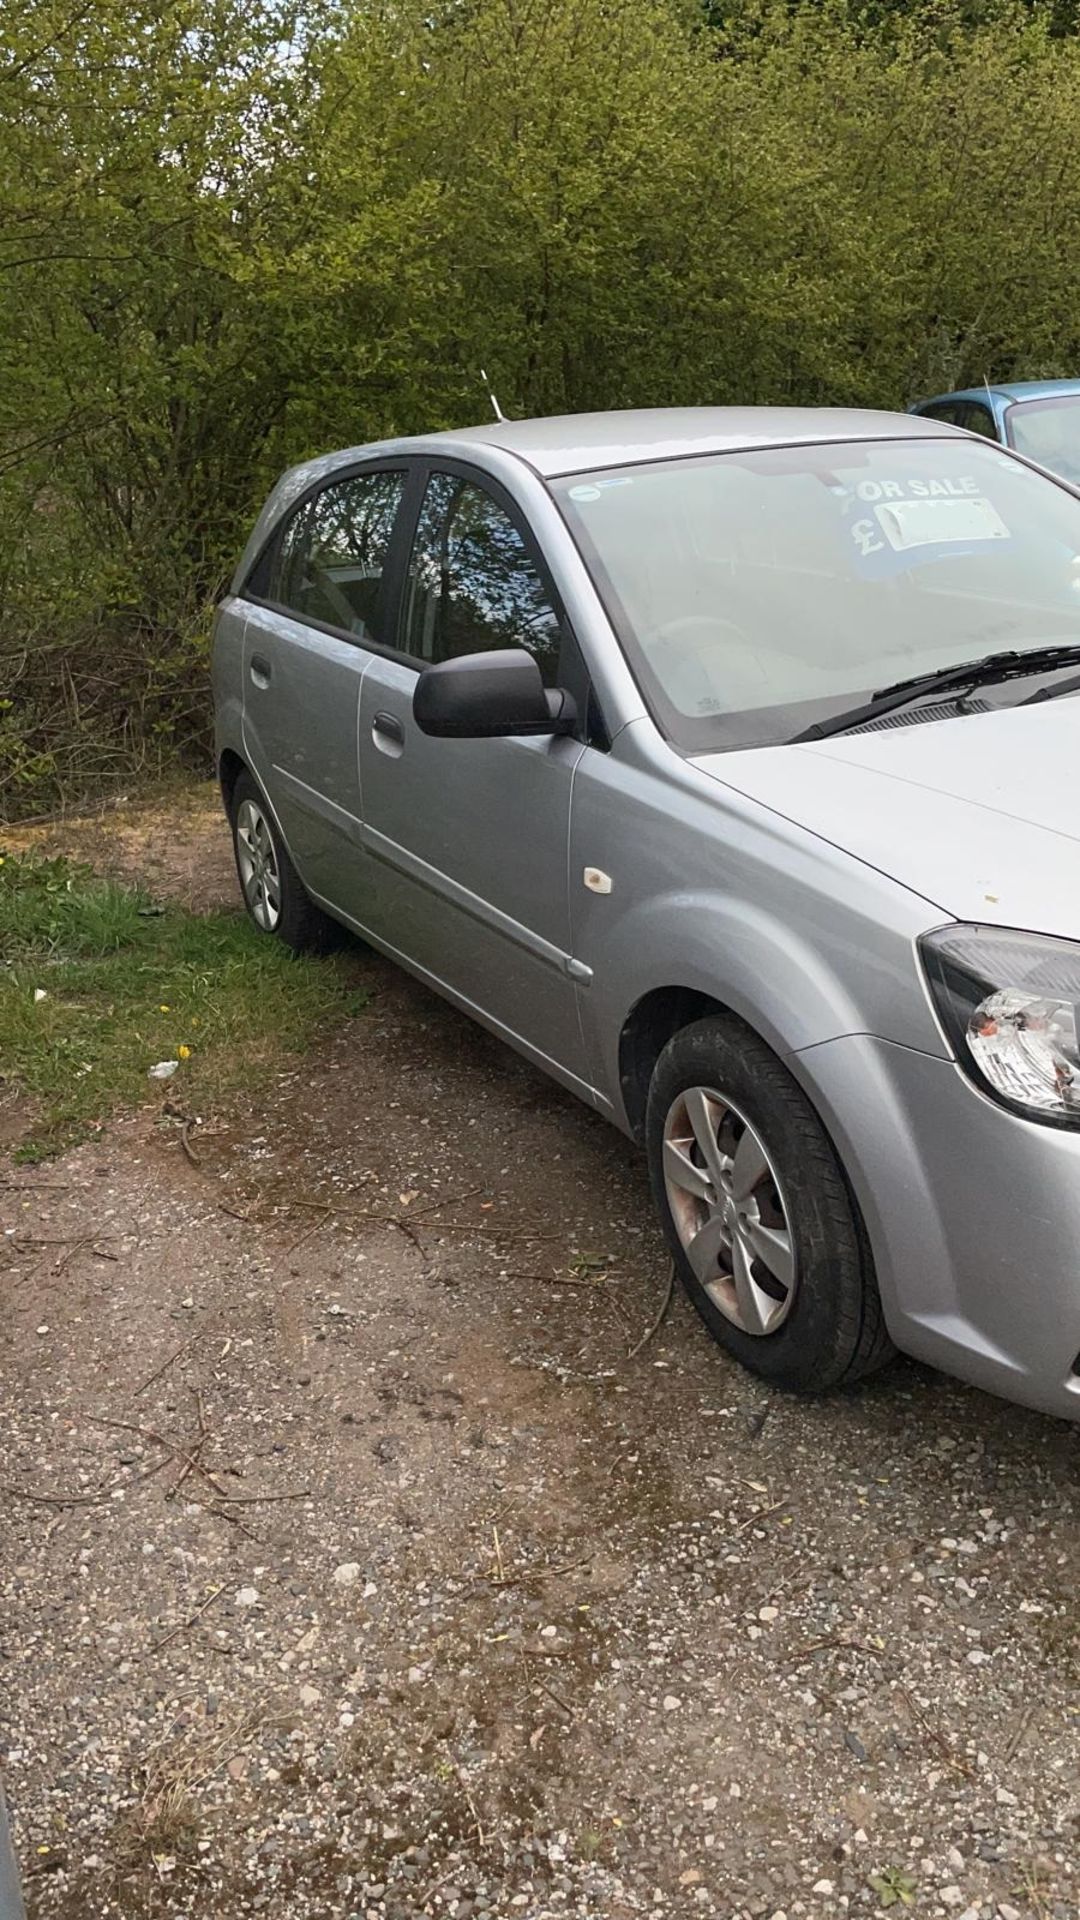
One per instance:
(127,983)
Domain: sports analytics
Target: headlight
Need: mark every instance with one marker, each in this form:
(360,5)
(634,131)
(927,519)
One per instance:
(1010,1004)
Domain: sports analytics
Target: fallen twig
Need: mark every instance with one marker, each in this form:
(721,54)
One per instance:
(464,1785)
(166,1364)
(933,1734)
(185,1143)
(263,1499)
(179,1453)
(763,1513)
(56,1499)
(183,1625)
(1020,1732)
(664,1305)
(534,1680)
(598,1288)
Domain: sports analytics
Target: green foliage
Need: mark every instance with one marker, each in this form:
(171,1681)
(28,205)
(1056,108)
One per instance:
(232,234)
(894,1887)
(124,984)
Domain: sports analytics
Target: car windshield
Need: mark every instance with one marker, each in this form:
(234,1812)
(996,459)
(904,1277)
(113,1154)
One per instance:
(1048,431)
(755,593)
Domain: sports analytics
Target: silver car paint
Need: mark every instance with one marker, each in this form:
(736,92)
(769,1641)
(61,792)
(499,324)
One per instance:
(976,813)
(789,884)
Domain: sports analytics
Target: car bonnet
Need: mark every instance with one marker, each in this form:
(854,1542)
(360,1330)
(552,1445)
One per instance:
(979,814)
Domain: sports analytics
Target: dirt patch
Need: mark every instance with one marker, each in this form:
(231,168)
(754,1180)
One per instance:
(351,1567)
(175,846)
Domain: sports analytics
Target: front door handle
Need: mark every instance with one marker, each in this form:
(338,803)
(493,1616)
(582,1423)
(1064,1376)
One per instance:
(260,670)
(390,727)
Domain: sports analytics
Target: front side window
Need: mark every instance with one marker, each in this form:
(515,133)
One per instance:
(755,593)
(331,557)
(472,585)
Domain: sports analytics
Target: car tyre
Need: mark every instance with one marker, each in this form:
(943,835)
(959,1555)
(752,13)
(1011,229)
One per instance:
(766,1235)
(273,892)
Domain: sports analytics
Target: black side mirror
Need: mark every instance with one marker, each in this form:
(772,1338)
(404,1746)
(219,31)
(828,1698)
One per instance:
(487,695)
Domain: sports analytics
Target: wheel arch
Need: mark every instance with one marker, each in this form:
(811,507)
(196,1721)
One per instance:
(654,1020)
(230,766)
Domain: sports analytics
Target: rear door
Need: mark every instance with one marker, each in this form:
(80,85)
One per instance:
(318,601)
(471,836)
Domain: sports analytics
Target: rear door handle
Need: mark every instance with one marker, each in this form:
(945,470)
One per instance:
(260,670)
(390,727)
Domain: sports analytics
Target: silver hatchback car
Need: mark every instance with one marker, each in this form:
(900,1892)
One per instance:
(725,763)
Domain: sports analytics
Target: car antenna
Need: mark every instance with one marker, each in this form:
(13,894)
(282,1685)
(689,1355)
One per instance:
(499,414)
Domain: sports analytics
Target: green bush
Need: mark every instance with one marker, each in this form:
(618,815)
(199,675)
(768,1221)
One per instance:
(232,234)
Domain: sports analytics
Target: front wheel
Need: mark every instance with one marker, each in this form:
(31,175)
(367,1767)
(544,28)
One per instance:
(766,1236)
(273,891)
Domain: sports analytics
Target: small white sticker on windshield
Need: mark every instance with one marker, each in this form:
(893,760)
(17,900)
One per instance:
(931,523)
(584,493)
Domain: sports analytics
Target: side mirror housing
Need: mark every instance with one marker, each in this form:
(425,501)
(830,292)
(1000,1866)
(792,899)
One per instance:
(484,696)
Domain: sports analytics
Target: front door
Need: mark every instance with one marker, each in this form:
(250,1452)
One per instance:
(316,605)
(471,836)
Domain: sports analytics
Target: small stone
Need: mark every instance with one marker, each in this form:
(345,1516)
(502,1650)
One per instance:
(310,1696)
(1006,1912)
(709,1805)
(951,1896)
(690,1878)
(671,1702)
(247,1597)
(347,1574)
(1004,1798)
(823,1886)
(43,1329)
(978,1657)
(768,1614)
(956,1859)
(548,1633)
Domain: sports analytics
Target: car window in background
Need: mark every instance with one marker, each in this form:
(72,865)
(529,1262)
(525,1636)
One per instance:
(756,592)
(332,554)
(949,413)
(472,586)
(979,419)
(1048,431)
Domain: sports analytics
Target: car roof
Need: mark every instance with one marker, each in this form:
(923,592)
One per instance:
(575,442)
(580,442)
(1011,390)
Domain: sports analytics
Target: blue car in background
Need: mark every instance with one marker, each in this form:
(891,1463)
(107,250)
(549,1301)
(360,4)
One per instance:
(1040,418)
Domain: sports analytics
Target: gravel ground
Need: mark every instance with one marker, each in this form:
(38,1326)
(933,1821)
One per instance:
(352,1563)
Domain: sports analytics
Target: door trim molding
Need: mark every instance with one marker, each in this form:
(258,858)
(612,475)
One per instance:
(442,887)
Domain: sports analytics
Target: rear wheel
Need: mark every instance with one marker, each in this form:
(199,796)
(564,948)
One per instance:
(766,1236)
(273,891)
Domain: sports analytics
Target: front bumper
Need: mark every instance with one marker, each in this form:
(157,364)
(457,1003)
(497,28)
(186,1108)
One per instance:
(973,1217)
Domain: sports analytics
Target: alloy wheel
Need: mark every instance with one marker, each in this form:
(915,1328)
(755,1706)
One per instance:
(729,1210)
(257,861)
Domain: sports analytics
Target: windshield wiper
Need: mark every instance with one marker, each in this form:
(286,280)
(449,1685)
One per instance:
(962,677)
(1071,685)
